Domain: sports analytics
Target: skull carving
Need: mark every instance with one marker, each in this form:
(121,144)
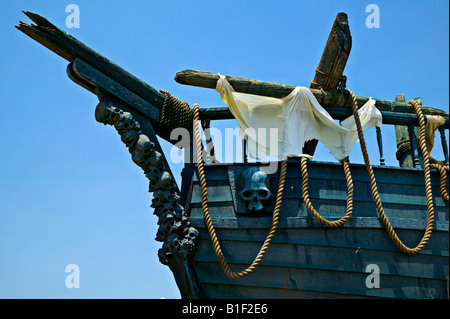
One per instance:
(255,190)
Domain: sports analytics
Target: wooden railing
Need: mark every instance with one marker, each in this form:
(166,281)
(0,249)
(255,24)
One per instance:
(410,120)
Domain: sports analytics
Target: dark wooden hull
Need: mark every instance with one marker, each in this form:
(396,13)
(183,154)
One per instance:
(306,260)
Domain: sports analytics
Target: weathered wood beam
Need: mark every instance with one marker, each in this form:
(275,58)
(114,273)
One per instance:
(80,70)
(329,72)
(338,113)
(335,55)
(329,98)
(70,48)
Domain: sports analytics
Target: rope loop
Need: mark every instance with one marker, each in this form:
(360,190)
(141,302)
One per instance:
(443,185)
(428,190)
(336,223)
(207,218)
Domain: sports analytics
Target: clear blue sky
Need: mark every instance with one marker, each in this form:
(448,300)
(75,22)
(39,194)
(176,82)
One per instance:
(69,192)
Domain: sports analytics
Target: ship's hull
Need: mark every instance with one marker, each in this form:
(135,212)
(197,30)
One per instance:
(307,260)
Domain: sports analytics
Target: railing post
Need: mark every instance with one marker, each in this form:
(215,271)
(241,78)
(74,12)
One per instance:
(380,145)
(444,143)
(414,150)
(244,151)
(210,155)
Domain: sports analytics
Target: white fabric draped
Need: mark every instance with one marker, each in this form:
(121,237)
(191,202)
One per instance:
(280,127)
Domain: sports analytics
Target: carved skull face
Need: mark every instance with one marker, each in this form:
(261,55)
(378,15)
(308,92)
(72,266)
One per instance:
(255,190)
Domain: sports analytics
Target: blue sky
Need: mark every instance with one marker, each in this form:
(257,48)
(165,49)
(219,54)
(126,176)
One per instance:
(69,192)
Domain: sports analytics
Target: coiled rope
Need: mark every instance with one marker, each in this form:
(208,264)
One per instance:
(207,218)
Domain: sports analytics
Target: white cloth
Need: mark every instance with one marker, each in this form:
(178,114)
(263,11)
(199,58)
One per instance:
(433,122)
(294,119)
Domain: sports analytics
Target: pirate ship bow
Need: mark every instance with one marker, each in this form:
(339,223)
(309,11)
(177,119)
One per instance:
(233,230)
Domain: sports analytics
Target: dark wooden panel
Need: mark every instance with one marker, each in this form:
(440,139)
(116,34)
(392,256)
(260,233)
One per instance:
(276,280)
(330,190)
(307,260)
(218,191)
(391,263)
(332,171)
(309,222)
(329,209)
(354,239)
(235,291)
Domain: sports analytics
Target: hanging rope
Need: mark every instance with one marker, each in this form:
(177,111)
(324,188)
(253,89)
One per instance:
(443,186)
(205,210)
(309,206)
(428,191)
(349,210)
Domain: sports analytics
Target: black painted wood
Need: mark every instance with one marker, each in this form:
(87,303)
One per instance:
(307,260)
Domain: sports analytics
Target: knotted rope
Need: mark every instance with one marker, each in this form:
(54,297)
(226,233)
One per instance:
(207,218)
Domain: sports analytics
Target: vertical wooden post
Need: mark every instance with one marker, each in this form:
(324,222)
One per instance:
(244,151)
(403,135)
(380,145)
(332,63)
(414,150)
(444,143)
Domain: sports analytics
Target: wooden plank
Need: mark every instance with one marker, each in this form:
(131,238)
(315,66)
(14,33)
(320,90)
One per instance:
(218,191)
(209,80)
(338,113)
(70,48)
(236,291)
(264,222)
(330,209)
(91,75)
(326,282)
(354,239)
(326,258)
(331,179)
(332,171)
(317,193)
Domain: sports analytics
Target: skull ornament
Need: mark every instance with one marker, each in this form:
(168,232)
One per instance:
(255,190)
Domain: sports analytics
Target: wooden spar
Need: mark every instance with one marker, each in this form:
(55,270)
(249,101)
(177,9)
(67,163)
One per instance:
(326,98)
(338,113)
(70,48)
(335,55)
(329,72)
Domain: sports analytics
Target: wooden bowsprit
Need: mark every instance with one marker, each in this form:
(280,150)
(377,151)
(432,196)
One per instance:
(134,109)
